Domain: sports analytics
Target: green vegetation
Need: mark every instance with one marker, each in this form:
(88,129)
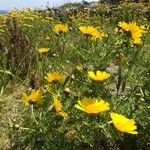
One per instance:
(76,79)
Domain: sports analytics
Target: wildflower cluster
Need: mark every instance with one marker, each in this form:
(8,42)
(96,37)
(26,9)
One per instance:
(86,85)
(88,105)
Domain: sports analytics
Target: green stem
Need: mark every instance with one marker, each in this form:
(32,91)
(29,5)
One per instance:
(27,129)
(33,116)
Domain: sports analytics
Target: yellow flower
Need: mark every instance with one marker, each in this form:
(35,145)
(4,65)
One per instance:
(99,76)
(92,105)
(58,106)
(91,32)
(15,14)
(136,32)
(43,50)
(54,77)
(123,124)
(60,28)
(133,30)
(35,97)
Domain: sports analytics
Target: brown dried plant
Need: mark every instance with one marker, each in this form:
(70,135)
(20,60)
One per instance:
(19,54)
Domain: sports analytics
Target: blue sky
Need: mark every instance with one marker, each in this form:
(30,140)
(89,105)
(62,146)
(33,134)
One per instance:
(10,4)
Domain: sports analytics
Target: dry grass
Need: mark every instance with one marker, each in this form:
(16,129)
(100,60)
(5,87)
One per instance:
(9,104)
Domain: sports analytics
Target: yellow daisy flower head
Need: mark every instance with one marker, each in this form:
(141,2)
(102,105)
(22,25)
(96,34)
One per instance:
(87,30)
(43,50)
(54,77)
(123,124)
(92,105)
(60,28)
(99,76)
(133,30)
(92,32)
(35,97)
(136,32)
(58,106)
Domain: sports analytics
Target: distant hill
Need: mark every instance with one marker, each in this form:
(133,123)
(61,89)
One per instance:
(3,11)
